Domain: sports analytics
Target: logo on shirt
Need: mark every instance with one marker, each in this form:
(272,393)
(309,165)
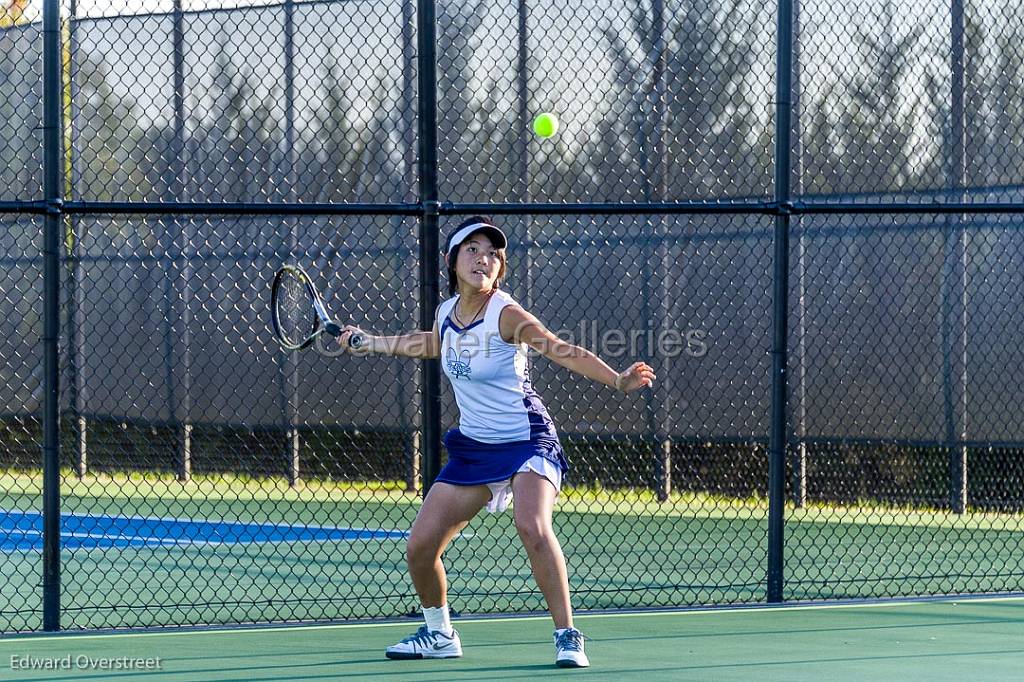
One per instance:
(458,365)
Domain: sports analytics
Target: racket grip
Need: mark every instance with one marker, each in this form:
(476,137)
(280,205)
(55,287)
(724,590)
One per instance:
(334,329)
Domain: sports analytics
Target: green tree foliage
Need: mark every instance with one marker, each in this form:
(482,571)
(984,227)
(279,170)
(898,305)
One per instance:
(350,157)
(20,113)
(106,128)
(995,122)
(231,137)
(477,126)
(234,141)
(20,179)
(15,13)
(875,123)
(869,129)
(715,102)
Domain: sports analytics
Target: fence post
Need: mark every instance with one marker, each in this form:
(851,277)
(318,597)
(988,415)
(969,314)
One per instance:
(778,437)
(53,193)
(523,150)
(954,308)
(175,189)
(657,396)
(426,36)
(654,239)
(75,317)
(414,435)
(798,481)
(186,276)
(292,439)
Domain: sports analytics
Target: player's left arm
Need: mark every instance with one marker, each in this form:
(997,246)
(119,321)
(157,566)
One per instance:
(518,326)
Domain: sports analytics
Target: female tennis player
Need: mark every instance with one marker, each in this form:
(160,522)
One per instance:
(505,445)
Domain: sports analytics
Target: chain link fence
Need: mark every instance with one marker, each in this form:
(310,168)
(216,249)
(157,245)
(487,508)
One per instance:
(736,189)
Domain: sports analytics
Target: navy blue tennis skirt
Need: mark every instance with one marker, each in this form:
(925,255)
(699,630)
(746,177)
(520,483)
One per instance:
(472,462)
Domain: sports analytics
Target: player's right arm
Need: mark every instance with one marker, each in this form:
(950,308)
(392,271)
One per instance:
(420,345)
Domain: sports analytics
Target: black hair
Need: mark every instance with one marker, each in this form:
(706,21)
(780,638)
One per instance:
(453,279)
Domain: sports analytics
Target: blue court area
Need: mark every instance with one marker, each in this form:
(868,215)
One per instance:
(23,531)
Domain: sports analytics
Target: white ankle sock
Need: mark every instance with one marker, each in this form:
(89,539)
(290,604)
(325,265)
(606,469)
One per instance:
(438,619)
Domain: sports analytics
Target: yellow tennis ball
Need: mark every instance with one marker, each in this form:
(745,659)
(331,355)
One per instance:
(545,125)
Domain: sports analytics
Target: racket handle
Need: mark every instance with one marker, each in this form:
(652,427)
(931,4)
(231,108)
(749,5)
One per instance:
(334,329)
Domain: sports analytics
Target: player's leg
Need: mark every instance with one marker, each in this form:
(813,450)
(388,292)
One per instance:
(445,511)
(534,503)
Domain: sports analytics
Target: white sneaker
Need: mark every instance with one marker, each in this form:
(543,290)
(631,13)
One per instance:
(569,650)
(426,644)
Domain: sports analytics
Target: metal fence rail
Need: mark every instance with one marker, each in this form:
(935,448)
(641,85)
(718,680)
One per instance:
(804,215)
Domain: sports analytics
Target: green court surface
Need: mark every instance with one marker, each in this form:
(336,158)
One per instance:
(975,639)
(623,552)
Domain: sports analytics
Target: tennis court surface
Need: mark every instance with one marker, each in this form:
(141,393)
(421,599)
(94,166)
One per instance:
(976,639)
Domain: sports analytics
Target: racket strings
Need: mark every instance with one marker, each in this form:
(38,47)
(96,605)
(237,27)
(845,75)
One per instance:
(295,314)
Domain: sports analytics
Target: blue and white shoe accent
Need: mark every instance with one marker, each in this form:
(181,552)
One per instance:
(426,644)
(569,650)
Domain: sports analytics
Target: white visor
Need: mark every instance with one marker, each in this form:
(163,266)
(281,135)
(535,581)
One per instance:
(497,236)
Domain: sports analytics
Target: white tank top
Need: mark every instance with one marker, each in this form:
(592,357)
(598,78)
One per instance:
(491,378)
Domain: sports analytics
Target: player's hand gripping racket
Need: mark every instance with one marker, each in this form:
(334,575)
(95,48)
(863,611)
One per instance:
(298,312)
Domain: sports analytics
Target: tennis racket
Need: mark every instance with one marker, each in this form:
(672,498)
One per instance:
(298,311)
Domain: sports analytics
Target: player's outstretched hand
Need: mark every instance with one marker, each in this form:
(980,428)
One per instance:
(639,375)
(347,334)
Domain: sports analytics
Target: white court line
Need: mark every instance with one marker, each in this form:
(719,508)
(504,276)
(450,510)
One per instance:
(177,519)
(143,541)
(755,608)
(148,540)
